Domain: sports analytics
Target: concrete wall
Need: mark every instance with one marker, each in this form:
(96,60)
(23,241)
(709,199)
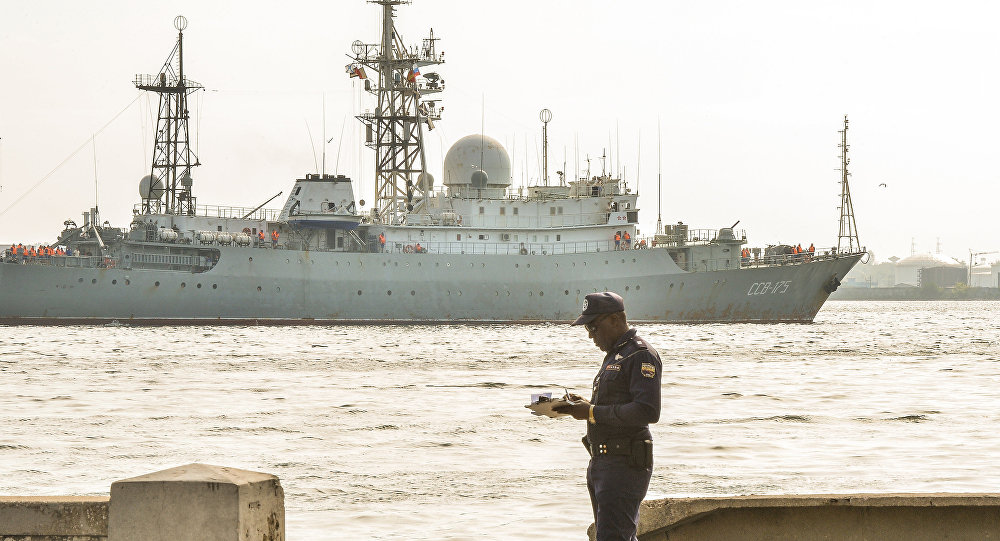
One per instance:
(54,518)
(857,517)
(197,502)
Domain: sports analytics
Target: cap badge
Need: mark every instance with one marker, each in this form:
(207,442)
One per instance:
(585,303)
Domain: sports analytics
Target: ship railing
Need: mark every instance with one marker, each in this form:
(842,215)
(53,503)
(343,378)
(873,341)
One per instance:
(504,248)
(544,221)
(75,261)
(776,260)
(217,211)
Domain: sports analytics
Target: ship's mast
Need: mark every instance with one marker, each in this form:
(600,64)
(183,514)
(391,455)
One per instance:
(172,154)
(395,129)
(847,240)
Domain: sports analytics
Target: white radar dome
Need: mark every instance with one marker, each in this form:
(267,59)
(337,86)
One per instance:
(470,153)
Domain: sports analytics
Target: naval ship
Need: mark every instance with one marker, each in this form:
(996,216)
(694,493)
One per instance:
(470,249)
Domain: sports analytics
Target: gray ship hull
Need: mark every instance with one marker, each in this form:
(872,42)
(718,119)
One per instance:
(250,285)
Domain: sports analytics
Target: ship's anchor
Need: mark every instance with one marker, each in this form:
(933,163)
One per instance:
(832,284)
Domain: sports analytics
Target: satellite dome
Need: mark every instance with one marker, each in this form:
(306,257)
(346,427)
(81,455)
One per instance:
(473,153)
(480,179)
(427,178)
(150,188)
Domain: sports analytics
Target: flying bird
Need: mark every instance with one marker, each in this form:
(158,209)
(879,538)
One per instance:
(882,185)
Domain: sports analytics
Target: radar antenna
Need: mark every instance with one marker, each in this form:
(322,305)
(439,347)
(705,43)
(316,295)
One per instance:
(395,129)
(847,240)
(172,154)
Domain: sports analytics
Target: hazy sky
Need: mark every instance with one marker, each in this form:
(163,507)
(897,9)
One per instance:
(749,96)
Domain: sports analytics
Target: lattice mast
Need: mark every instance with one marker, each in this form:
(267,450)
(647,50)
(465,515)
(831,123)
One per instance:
(172,154)
(847,240)
(395,129)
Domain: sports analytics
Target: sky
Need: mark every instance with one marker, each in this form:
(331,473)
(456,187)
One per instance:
(744,101)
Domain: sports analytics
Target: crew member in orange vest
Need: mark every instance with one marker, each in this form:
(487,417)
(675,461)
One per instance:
(274,238)
(628,241)
(418,249)
(261,238)
(381,241)
(812,249)
(618,240)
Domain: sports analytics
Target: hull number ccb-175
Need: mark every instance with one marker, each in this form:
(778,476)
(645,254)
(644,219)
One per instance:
(765,288)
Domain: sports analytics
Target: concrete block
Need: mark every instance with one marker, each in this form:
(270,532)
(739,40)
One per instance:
(54,517)
(854,517)
(197,502)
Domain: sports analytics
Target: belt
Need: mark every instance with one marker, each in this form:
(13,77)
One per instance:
(621,446)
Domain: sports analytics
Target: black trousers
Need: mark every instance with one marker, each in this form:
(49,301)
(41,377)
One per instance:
(616,490)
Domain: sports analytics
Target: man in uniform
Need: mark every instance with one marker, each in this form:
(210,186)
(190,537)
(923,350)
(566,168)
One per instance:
(625,399)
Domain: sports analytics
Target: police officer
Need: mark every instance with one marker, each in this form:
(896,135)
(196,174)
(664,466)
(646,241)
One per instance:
(625,399)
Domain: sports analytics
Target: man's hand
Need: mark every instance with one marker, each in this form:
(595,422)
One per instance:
(580,409)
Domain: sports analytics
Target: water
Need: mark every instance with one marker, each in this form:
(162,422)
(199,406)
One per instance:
(418,432)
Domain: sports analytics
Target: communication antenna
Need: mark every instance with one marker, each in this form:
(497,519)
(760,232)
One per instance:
(848,236)
(172,154)
(659,180)
(545,116)
(395,131)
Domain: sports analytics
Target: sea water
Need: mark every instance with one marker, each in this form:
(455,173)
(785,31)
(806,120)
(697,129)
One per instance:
(420,432)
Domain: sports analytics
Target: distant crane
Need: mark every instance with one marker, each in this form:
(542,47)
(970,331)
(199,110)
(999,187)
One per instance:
(972,256)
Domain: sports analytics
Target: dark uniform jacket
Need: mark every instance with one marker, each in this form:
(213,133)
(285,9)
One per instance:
(626,394)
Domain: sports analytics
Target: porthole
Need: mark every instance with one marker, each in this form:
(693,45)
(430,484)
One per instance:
(528,265)
(449,263)
(605,261)
(259,289)
(389,292)
(215,286)
(183,284)
(541,293)
(156,284)
(250,259)
(94,281)
(198,286)
(671,286)
(412,292)
(516,265)
(626,288)
(114,282)
(637,288)
(359,292)
(278,289)
(566,292)
(287,261)
(128,282)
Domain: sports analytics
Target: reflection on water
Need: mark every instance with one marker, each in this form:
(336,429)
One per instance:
(418,432)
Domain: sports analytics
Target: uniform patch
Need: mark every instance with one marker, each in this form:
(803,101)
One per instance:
(613,367)
(648,370)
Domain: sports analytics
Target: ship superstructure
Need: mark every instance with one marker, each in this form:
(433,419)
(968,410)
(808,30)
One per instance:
(470,249)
